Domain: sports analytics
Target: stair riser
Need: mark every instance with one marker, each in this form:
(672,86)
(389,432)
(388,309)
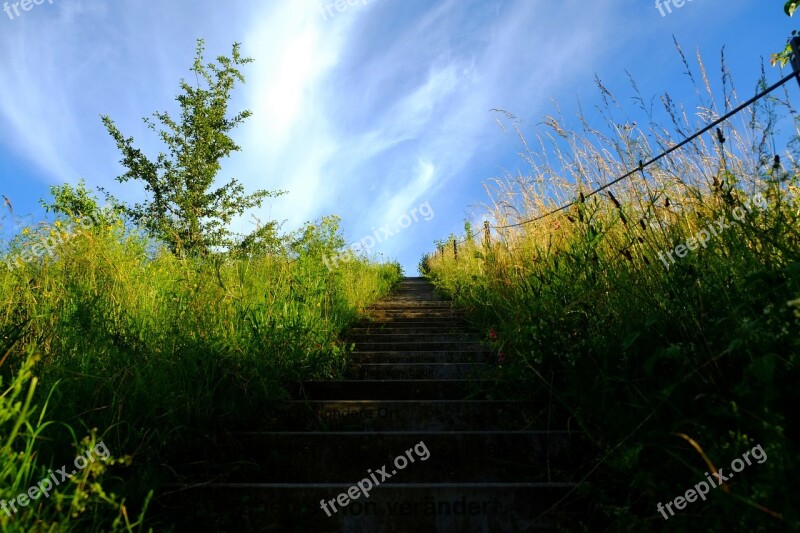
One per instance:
(456,347)
(387,509)
(427,321)
(405,416)
(391,390)
(417,294)
(346,457)
(411,304)
(420,357)
(458,331)
(400,371)
(403,337)
(409,326)
(411,313)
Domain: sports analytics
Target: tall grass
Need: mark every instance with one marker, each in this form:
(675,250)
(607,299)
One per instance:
(79,504)
(159,352)
(647,355)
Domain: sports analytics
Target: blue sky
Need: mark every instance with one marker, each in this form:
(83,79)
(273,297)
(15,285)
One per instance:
(367,112)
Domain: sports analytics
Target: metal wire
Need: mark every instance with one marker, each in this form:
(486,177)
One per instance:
(665,153)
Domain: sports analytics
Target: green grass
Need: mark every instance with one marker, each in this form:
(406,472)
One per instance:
(155,352)
(638,354)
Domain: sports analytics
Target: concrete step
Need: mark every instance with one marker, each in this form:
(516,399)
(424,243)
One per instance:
(385,329)
(390,507)
(378,314)
(342,457)
(410,308)
(409,290)
(396,303)
(416,296)
(408,415)
(441,321)
(384,337)
(420,346)
(422,357)
(443,371)
(414,324)
(414,389)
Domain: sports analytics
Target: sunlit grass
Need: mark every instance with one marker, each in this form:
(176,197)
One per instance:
(638,348)
(158,352)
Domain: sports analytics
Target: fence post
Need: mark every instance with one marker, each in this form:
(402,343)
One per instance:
(795,57)
(487,233)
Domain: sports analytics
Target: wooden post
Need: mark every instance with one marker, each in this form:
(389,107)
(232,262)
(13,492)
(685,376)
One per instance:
(488,233)
(795,57)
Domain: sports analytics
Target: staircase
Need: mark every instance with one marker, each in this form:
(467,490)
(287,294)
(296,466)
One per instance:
(419,420)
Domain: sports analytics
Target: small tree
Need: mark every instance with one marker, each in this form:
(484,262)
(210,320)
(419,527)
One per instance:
(319,239)
(182,210)
(470,236)
(77,201)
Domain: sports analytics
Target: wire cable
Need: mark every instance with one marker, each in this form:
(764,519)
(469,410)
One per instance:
(662,155)
(665,153)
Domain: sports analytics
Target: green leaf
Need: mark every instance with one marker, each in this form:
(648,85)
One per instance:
(763,368)
(672,352)
(630,339)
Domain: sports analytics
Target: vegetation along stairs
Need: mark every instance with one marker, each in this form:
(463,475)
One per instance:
(420,387)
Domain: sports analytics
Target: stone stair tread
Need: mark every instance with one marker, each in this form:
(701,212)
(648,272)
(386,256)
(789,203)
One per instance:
(393,508)
(423,357)
(342,456)
(416,345)
(415,321)
(412,415)
(415,338)
(402,329)
(439,371)
(386,389)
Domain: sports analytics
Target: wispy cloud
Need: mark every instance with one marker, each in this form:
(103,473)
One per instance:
(365,114)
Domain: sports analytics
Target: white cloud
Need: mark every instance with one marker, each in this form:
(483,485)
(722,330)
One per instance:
(366,114)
